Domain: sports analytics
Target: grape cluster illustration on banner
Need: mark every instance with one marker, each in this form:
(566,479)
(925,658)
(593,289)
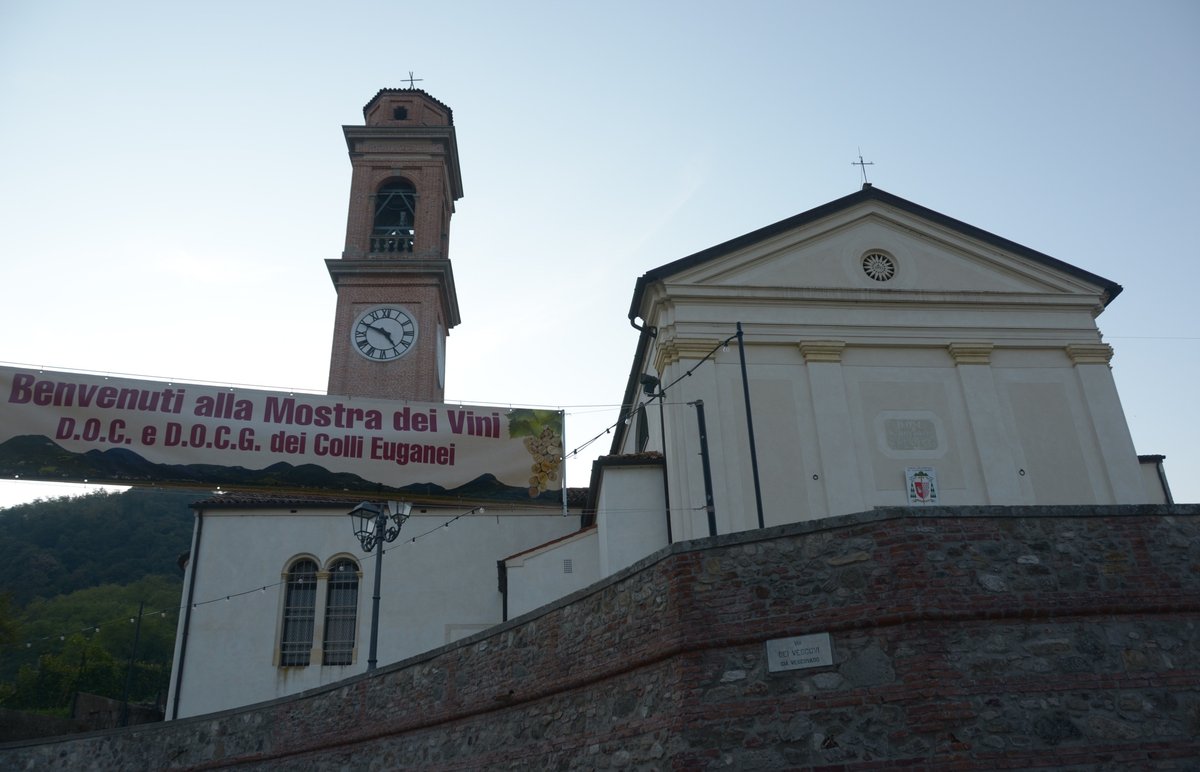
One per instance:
(542,433)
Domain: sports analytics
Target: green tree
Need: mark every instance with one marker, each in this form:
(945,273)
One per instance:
(83,642)
(9,627)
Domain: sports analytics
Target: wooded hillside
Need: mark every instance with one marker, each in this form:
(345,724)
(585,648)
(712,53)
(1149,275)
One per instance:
(74,575)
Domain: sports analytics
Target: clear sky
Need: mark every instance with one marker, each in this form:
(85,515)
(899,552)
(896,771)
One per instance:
(172,176)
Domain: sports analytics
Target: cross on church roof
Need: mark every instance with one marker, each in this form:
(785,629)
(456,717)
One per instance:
(412,81)
(860,163)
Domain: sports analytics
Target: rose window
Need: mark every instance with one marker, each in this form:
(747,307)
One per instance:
(878,266)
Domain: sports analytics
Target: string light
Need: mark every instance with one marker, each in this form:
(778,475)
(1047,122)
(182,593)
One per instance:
(413,540)
(262,589)
(662,391)
(93,629)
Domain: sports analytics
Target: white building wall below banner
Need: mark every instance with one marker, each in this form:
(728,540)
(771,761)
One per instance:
(435,590)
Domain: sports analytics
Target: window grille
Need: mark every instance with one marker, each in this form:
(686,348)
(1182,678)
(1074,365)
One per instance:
(395,218)
(341,613)
(299,610)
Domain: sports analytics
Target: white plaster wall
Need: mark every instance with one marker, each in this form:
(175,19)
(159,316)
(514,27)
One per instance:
(927,392)
(541,576)
(630,516)
(438,589)
(1031,427)
(1155,494)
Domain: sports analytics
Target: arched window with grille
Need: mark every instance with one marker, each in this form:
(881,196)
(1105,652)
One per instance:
(299,612)
(395,217)
(341,613)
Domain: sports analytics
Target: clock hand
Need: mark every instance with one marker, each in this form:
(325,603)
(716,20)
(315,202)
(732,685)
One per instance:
(383,332)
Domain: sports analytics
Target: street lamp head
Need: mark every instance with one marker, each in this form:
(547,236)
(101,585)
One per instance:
(363,520)
(374,524)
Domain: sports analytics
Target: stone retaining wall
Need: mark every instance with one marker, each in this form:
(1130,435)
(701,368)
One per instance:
(968,638)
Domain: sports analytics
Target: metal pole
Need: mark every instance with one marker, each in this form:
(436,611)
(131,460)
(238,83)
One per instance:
(708,491)
(750,428)
(137,634)
(380,522)
(662,430)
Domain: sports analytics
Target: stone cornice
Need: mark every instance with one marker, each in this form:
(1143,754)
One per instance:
(679,292)
(671,351)
(380,270)
(1090,353)
(821,350)
(971,353)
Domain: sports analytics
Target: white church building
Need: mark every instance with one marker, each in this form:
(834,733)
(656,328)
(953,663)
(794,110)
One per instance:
(888,355)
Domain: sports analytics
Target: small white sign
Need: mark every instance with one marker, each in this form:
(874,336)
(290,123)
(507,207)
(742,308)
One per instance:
(797,653)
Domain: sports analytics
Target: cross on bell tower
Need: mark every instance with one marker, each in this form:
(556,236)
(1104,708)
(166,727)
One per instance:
(396,299)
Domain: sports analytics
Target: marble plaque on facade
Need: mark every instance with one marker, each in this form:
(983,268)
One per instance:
(909,434)
(804,651)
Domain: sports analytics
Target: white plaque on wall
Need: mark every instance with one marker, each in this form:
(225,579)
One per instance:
(922,485)
(911,434)
(801,652)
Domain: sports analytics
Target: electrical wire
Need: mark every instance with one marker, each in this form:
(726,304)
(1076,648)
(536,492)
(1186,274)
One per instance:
(662,391)
(95,628)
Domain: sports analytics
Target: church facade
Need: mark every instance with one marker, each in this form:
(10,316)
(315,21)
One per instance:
(867,353)
(883,354)
(882,337)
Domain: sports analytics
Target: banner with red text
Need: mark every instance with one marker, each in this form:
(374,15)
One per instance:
(90,428)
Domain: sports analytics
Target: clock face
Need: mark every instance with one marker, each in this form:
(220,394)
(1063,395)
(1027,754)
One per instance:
(384,333)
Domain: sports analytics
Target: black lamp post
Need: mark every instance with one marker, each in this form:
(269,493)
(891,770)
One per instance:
(374,525)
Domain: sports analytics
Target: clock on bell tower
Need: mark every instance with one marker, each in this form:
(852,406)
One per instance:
(396,301)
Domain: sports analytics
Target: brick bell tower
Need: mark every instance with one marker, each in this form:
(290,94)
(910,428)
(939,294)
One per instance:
(396,300)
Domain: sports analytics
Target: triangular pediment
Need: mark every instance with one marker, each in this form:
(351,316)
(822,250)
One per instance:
(880,245)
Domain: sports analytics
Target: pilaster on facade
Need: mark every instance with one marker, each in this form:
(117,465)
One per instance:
(822,350)
(1090,353)
(840,467)
(994,439)
(1103,404)
(971,353)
